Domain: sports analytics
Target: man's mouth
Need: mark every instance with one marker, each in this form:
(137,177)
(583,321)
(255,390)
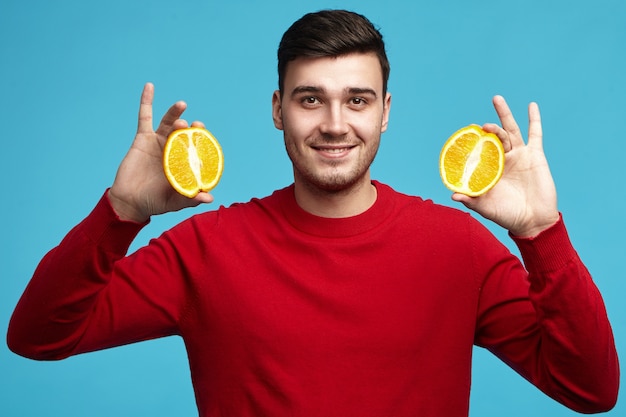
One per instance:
(332,150)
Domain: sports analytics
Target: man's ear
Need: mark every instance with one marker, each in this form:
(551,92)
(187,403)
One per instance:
(277,113)
(386,109)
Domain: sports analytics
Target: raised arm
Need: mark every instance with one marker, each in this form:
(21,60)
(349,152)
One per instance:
(81,296)
(564,344)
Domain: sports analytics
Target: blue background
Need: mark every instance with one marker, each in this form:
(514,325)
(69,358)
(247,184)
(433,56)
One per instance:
(71,76)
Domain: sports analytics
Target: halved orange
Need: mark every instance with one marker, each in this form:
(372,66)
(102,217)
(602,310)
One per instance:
(192,160)
(471,161)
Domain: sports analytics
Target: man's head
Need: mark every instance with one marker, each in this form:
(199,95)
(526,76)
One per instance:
(331,33)
(332,107)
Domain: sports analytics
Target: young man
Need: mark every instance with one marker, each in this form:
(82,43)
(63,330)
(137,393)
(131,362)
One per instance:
(335,295)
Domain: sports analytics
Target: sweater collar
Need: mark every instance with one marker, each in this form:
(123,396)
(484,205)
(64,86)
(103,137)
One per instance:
(337,227)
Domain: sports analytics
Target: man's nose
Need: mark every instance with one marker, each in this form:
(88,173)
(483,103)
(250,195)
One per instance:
(334,123)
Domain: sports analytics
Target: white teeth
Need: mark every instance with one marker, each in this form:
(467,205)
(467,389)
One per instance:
(332,150)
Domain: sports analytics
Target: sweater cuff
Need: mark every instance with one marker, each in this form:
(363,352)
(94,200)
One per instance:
(104,227)
(549,251)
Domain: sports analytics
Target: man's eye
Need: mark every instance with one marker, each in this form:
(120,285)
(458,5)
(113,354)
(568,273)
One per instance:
(310,100)
(358,101)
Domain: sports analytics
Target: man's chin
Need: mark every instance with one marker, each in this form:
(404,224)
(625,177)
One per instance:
(334,184)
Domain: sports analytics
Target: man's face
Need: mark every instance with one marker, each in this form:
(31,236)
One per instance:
(332,113)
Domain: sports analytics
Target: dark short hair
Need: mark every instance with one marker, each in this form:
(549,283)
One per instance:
(331,33)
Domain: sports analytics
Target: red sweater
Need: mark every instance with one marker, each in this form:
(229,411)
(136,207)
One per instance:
(287,314)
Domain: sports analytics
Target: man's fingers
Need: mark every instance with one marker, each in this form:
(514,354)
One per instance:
(168,122)
(171,116)
(510,133)
(535,132)
(144,124)
(508,121)
(171,120)
(500,133)
(506,116)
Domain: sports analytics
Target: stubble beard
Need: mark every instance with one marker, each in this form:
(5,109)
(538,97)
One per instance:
(333,179)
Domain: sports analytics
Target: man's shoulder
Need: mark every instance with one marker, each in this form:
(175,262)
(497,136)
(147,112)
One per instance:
(418,204)
(268,205)
(268,202)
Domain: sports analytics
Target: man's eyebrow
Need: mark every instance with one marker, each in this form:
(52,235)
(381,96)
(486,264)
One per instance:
(303,89)
(362,91)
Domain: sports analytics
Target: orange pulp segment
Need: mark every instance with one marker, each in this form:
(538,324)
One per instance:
(471,161)
(192,161)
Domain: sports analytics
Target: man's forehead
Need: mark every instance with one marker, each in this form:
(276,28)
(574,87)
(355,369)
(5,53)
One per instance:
(352,71)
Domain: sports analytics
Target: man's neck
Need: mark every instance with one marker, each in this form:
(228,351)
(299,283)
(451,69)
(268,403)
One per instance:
(336,204)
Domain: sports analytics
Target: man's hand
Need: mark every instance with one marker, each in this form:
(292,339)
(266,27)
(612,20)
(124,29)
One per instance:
(524,200)
(140,188)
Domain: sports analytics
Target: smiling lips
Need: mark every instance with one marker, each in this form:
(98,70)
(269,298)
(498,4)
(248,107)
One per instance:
(333,151)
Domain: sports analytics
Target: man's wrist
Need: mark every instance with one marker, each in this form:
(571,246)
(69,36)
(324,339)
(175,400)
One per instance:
(535,230)
(125,211)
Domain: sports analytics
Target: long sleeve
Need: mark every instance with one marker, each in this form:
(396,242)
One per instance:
(78,300)
(564,344)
